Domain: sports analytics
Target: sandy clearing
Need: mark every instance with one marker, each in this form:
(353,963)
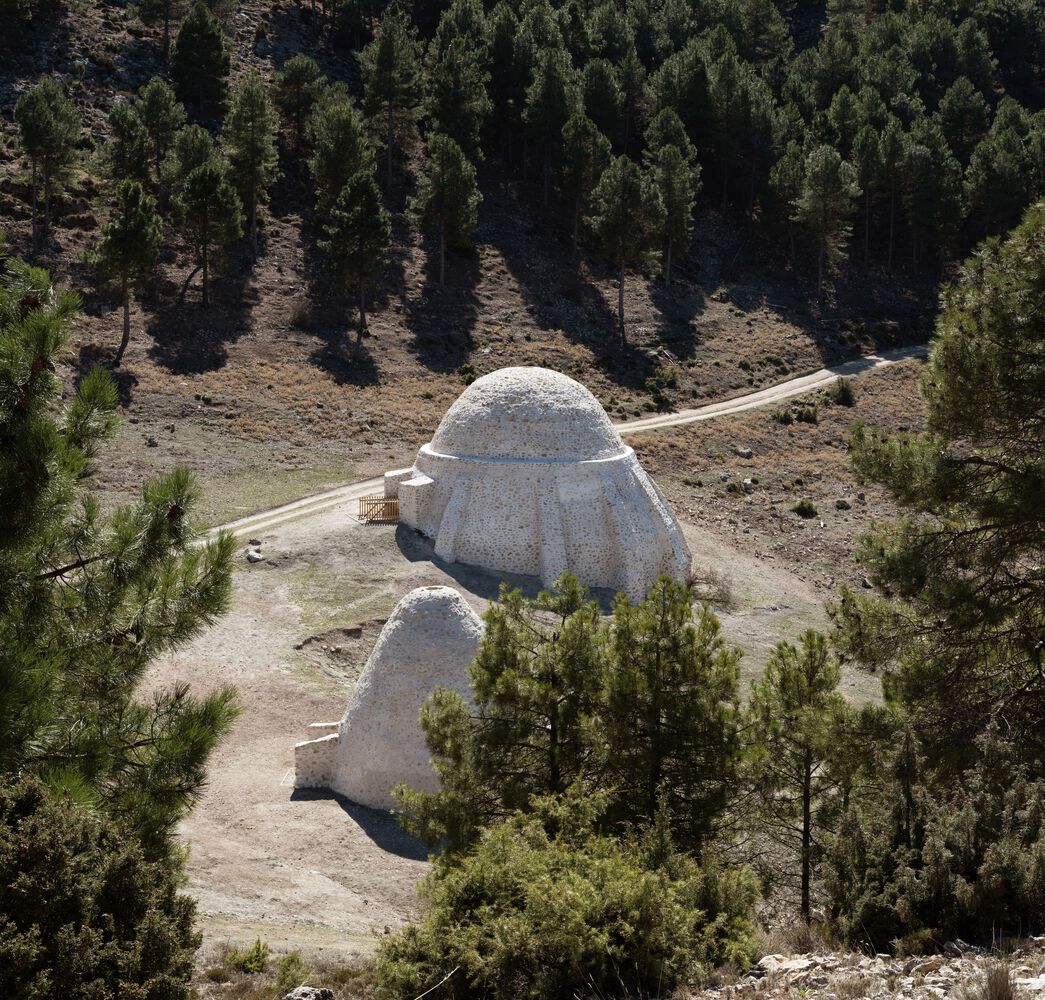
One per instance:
(325,875)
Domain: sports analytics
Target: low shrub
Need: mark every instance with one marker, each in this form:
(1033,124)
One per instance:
(468,373)
(659,384)
(922,864)
(842,392)
(545,908)
(291,972)
(82,912)
(805,508)
(253,960)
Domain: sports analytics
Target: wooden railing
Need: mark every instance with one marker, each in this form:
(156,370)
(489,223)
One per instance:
(378,507)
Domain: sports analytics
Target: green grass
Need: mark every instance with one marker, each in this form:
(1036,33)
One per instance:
(226,498)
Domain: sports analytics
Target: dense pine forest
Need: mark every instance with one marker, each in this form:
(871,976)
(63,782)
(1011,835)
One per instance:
(623,813)
(890,137)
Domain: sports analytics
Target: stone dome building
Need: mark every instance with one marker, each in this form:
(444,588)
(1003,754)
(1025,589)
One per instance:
(429,640)
(526,474)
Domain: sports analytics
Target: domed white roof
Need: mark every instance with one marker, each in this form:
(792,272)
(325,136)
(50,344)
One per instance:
(527,413)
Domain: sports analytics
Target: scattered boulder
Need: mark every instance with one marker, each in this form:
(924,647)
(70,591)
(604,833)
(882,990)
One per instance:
(253,554)
(743,452)
(310,993)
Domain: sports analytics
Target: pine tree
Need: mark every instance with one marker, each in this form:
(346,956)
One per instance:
(961,628)
(508,76)
(209,216)
(676,183)
(621,209)
(129,247)
(846,119)
(603,97)
(200,60)
(126,154)
(586,154)
(192,147)
(162,114)
(48,130)
(88,602)
(786,180)
(550,100)
(892,147)
(999,181)
(670,721)
(391,77)
(536,679)
(457,104)
(795,713)
(963,115)
(358,236)
(932,191)
(250,140)
(633,92)
(340,150)
(829,190)
(867,160)
(296,89)
(447,196)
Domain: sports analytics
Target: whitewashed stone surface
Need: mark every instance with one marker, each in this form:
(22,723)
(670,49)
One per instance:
(526,474)
(429,640)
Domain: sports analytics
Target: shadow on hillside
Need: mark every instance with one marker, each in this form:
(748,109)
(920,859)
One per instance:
(293,30)
(380,826)
(443,319)
(188,338)
(476,580)
(332,318)
(94,356)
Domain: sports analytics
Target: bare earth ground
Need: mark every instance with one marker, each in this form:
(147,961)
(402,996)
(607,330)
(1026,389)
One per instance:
(313,872)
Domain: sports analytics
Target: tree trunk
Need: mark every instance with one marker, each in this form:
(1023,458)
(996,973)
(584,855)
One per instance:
(807,836)
(820,270)
(442,253)
(892,216)
(126,338)
(547,171)
(47,206)
(667,265)
(204,279)
(361,329)
(620,308)
(254,224)
(576,223)
(725,187)
(35,203)
(388,185)
(867,229)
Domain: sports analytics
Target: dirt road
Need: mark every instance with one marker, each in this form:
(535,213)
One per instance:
(320,502)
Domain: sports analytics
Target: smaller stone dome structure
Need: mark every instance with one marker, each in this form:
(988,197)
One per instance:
(429,640)
(526,474)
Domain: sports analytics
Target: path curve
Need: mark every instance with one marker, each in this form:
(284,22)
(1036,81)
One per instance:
(307,506)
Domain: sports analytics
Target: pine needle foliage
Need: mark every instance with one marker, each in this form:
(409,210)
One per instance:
(88,601)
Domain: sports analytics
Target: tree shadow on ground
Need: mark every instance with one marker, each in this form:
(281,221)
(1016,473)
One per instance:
(190,339)
(92,356)
(380,826)
(442,319)
(331,317)
(478,581)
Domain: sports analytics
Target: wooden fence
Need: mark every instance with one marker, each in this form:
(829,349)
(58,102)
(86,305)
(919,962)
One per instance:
(378,507)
